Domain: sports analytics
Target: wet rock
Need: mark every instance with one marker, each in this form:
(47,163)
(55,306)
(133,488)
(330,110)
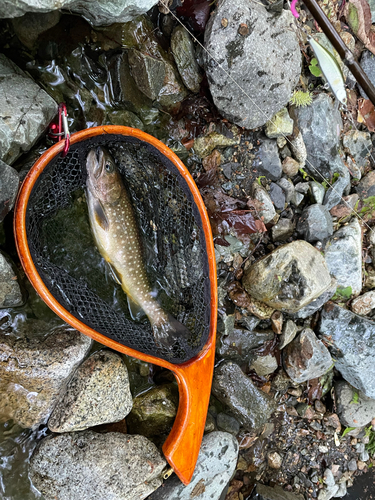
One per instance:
(290,166)
(215,467)
(267,161)
(148,72)
(364,304)
(346,206)
(280,125)
(154,411)
(242,300)
(97,12)
(317,191)
(35,364)
(274,460)
(227,423)
(124,118)
(315,223)
(289,332)
(26,110)
(184,55)
(264,365)
(353,407)
(11,294)
(359,145)
(98,393)
(282,230)
(277,196)
(352,342)
(265,70)
(248,404)
(86,464)
(306,357)
(366,187)
(276,493)
(226,253)
(289,190)
(203,146)
(316,304)
(289,278)
(240,343)
(9,181)
(343,255)
(31,25)
(265,207)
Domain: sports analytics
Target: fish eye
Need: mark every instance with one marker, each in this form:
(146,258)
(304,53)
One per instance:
(109,167)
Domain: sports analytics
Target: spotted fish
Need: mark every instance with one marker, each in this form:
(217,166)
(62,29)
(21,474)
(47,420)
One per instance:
(115,231)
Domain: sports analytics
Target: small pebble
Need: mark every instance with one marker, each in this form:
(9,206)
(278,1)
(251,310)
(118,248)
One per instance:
(361,465)
(274,460)
(352,465)
(323,449)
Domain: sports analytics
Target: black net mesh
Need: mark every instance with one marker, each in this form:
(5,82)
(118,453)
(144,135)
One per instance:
(175,257)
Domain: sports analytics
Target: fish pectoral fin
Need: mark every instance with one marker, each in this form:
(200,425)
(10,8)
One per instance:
(115,274)
(136,311)
(100,216)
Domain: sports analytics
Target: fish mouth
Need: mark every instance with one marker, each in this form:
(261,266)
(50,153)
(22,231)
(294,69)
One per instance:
(95,162)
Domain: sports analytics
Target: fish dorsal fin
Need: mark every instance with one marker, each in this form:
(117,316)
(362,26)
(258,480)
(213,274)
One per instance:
(136,311)
(100,216)
(115,274)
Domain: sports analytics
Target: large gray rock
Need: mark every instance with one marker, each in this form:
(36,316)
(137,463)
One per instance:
(306,357)
(316,304)
(35,365)
(320,125)
(86,465)
(239,345)
(289,278)
(248,404)
(183,52)
(9,182)
(276,493)
(352,343)
(353,407)
(256,50)
(359,146)
(315,223)
(98,393)
(215,467)
(26,110)
(31,25)
(10,291)
(343,254)
(97,12)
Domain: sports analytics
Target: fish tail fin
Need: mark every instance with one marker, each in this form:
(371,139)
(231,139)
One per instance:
(170,331)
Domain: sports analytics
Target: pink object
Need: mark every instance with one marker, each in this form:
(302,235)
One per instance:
(293,8)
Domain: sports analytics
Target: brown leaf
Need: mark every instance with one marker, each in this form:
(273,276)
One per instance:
(212,161)
(314,390)
(358,15)
(366,111)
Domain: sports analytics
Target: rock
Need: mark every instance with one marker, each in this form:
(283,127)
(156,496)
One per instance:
(203,146)
(125,118)
(267,161)
(248,404)
(83,465)
(359,145)
(346,206)
(330,492)
(26,110)
(289,332)
(289,278)
(240,343)
(31,25)
(277,320)
(184,55)
(352,341)
(343,255)
(264,365)
(368,60)
(97,12)
(215,467)
(277,196)
(98,393)
(316,304)
(352,465)
(282,230)
(298,148)
(289,190)
(364,304)
(266,72)
(227,423)
(280,125)
(274,460)
(317,191)
(154,411)
(276,493)
(354,170)
(366,187)
(264,205)
(329,478)
(353,407)
(302,187)
(35,364)
(306,357)
(242,300)
(9,181)
(11,294)
(320,125)
(290,166)
(342,491)
(226,253)
(315,223)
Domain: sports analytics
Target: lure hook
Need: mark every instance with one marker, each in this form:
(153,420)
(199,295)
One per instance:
(57,131)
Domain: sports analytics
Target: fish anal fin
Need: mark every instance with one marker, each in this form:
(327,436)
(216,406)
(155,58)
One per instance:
(115,274)
(100,216)
(136,311)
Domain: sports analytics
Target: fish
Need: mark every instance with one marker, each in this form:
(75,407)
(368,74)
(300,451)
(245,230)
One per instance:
(330,69)
(115,231)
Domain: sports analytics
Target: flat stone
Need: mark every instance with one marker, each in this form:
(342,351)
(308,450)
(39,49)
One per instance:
(248,404)
(306,357)
(352,343)
(280,125)
(290,330)
(86,465)
(215,467)
(240,344)
(315,223)
(364,304)
(203,146)
(343,255)
(317,191)
(184,54)
(265,207)
(359,146)
(366,187)
(267,161)
(288,187)
(353,407)
(266,71)
(26,110)
(316,304)
(36,362)
(9,182)
(289,278)
(11,294)
(328,493)
(283,230)
(98,393)
(276,493)
(290,166)
(264,365)
(154,411)
(277,196)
